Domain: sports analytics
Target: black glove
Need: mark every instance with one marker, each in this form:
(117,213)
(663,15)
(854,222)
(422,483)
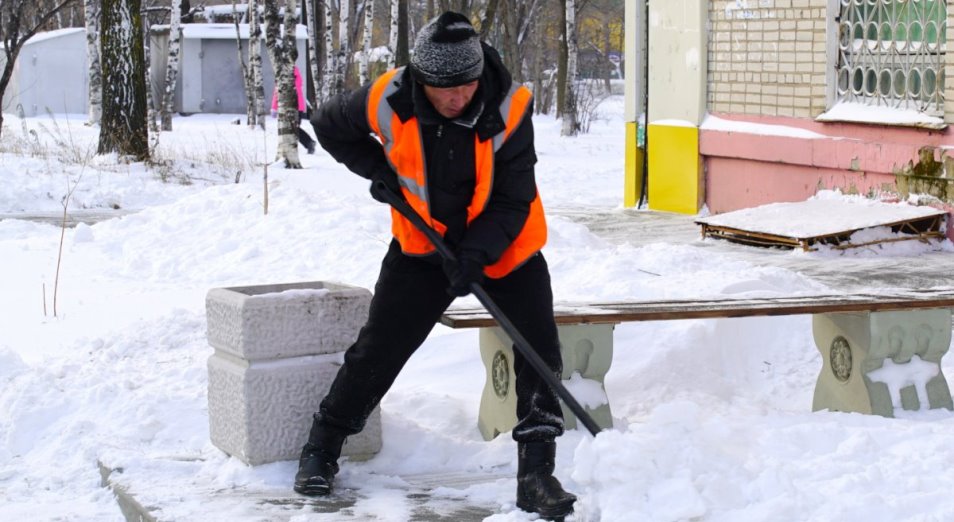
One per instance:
(466,270)
(389,178)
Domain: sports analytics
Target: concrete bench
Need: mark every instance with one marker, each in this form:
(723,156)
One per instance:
(880,352)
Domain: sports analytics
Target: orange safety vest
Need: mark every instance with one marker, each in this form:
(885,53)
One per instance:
(405,152)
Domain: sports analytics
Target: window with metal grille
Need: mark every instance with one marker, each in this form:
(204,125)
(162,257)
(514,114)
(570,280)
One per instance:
(891,53)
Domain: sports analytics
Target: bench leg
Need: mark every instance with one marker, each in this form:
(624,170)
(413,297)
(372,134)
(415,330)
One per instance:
(586,350)
(882,362)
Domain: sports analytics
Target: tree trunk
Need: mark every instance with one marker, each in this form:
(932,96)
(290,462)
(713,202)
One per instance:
(95,95)
(255,66)
(343,61)
(487,20)
(402,49)
(512,58)
(570,126)
(314,49)
(328,83)
(393,33)
(283,53)
(541,98)
(172,67)
(561,62)
(250,116)
(152,114)
(526,21)
(366,47)
(123,127)
(607,64)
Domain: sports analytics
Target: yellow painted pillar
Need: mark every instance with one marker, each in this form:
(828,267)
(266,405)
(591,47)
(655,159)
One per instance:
(676,179)
(677,91)
(635,52)
(633,180)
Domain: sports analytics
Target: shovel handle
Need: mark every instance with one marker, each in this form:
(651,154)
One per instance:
(520,343)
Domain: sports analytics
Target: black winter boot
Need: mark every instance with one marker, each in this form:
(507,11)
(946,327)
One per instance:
(319,460)
(538,491)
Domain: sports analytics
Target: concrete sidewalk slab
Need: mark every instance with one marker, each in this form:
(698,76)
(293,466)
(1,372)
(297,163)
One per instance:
(146,497)
(865,270)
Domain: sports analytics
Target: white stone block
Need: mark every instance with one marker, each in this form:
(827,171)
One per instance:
(277,350)
(261,411)
(285,320)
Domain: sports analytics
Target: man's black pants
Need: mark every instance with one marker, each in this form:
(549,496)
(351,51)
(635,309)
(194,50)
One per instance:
(409,298)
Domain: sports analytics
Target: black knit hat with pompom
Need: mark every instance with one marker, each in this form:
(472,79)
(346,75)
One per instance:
(447,52)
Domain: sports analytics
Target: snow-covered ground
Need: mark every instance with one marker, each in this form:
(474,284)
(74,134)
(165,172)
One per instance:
(712,417)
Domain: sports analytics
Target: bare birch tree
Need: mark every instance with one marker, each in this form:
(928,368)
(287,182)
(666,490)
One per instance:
(283,53)
(91,10)
(510,46)
(328,82)
(366,47)
(153,107)
(254,92)
(393,34)
(123,127)
(401,48)
(570,125)
(255,66)
(19,21)
(343,61)
(172,67)
(314,49)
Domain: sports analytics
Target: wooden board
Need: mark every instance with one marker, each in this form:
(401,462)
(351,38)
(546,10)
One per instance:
(921,229)
(815,222)
(619,312)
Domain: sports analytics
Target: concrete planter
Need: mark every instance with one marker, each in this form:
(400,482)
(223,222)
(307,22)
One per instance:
(277,349)
(285,320)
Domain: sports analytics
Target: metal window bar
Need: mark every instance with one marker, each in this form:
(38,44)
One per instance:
(891,53)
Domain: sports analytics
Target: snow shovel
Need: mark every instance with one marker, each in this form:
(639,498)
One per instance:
(399,204)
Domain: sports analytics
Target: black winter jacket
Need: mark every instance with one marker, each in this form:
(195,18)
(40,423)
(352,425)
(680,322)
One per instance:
(342,128)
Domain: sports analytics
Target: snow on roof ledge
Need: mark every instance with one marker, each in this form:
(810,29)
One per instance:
(861,113)
(673,123)
(222,31)
(714,123)
(47,35)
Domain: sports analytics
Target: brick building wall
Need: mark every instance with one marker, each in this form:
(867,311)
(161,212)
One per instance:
(767,57)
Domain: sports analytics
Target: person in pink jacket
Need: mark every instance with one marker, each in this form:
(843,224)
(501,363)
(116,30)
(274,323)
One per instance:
(303,137)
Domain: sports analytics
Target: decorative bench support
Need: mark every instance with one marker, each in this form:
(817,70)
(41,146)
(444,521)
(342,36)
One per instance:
(277,349)
(587,350)
(882,362)
(881,352)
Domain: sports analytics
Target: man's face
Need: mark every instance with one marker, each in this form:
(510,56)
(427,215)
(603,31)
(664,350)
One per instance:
(450,102)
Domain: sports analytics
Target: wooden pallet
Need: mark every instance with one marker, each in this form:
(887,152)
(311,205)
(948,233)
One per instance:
(921,229)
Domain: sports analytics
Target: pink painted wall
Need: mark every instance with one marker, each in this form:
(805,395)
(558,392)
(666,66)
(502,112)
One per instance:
(746,168)
(733,183)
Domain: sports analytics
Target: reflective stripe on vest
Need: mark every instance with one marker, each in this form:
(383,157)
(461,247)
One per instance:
(404,150)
